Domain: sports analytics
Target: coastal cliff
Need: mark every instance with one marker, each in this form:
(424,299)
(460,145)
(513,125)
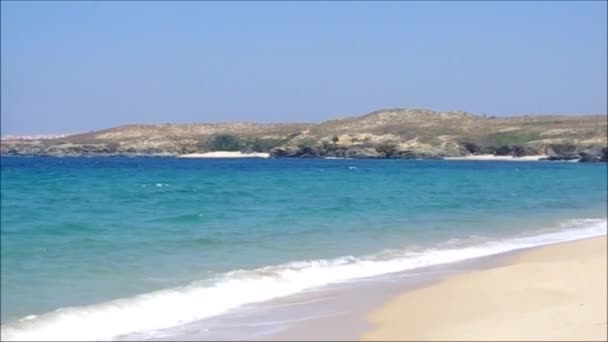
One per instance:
(387,133)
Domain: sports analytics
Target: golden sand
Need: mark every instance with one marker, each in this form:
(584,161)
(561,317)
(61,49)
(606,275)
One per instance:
(555,292)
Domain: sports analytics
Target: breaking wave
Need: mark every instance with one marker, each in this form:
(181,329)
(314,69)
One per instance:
(175,306)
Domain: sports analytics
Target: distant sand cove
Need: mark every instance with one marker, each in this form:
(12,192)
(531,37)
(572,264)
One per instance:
(390,133)
(225,154)
(304,171)
(493,157)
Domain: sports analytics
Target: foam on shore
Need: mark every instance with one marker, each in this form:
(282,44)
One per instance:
(176,306)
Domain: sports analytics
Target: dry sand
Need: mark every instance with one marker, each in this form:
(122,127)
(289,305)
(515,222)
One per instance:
(556,292)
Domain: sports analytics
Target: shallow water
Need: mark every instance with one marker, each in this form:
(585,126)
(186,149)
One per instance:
(178,240)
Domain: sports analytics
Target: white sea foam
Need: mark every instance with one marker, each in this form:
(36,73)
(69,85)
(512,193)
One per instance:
(171,307)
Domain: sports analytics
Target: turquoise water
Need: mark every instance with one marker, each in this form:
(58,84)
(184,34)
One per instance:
(85,231)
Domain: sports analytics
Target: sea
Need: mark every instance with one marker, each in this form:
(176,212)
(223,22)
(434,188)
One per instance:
(112,247)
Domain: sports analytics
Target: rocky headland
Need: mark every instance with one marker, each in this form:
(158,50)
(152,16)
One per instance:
(387,133)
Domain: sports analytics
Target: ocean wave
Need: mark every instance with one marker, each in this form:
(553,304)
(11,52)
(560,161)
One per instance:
(172,307)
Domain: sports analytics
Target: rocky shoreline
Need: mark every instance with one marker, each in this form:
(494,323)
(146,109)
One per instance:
(395,133)
(589,155)
(582,157)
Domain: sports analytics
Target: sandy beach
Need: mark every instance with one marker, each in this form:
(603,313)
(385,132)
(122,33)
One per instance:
(557,292)
(225,154)
(497,158)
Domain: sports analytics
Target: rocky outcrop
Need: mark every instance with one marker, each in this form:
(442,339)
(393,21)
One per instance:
(591,155)
(388,133)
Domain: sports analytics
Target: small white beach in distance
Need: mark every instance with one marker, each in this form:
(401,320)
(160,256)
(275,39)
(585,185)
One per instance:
(225,154)
(493,157)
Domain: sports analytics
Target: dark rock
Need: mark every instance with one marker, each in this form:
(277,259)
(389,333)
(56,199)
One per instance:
(488,150)
(503,151)
(388,150)
(589,158)
(279,153)
(594,155)
(473,148)
(560,149)
(558,157)
(518,151)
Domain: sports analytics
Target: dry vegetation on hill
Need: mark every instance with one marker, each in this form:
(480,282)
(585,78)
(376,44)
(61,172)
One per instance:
(389,133)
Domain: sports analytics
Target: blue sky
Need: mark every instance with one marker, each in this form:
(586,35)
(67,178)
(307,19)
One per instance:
(79,66)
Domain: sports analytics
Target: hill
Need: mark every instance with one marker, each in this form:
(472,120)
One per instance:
(387,133)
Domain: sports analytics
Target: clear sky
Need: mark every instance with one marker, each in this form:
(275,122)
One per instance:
(79,66)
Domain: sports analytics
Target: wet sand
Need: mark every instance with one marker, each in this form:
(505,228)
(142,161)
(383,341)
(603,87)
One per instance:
(461,311)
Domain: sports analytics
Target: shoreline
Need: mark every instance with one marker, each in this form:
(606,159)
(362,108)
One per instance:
(266,155)
(225,154)
(518,298)
(342,305)
(492,157)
